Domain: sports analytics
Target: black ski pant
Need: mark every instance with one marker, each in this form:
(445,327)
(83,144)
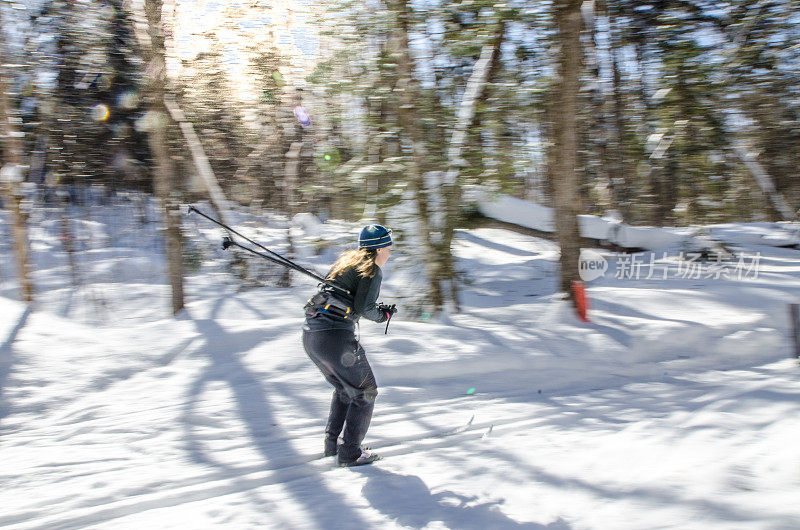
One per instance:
(343,362)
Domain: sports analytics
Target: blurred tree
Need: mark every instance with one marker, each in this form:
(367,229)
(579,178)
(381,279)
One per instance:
(762,66)
(11,175)
(265,163)
(712,77)
(425,135)
(87,111)
(409,94)
(206,97)
(687,110)
(157,120)
(563,167)
(465,118)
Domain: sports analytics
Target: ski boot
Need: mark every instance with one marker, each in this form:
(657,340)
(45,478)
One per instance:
(365,458)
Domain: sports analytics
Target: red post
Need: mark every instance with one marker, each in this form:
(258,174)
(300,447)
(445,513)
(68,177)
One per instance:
(581,300)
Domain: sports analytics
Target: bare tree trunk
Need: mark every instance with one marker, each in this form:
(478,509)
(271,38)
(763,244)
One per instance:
(215,194)
(765,182)
(565,181)
(665,181)
(375,109)
(409,94)
(610,122)
(68,241)
(597,123)
(253,159)
(624,171)
(278,146)
(291,181)
(647,179)
(199,157)
(10,177)
(476,85)
(164,170)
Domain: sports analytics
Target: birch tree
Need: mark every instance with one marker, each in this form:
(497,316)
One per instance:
(476,85)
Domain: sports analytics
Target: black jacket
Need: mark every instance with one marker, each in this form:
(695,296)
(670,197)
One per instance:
(364,293)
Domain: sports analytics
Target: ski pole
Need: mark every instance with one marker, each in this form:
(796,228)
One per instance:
(390,310)
(231,230)
(228,242)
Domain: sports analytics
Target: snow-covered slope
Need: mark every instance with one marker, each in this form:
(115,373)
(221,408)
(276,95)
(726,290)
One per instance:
(674,407)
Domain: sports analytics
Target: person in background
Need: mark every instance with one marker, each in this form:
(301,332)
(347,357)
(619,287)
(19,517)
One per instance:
(329,340)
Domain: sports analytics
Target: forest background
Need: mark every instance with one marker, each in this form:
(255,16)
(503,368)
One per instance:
(653,113)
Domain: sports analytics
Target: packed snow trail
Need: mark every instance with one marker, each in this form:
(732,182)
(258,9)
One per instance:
(631,446)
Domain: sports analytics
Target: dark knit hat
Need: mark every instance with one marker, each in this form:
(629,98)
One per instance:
(374,236)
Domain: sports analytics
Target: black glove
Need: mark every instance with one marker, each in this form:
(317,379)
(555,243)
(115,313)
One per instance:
(387,310)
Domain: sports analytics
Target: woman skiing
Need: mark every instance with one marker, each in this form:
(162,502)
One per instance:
(330,341)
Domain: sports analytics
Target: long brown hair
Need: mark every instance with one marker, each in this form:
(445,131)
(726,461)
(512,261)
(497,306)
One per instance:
(362,260)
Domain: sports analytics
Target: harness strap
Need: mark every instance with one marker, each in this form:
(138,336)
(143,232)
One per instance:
(326,303)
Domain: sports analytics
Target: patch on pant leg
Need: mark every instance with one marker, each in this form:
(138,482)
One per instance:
(348,359)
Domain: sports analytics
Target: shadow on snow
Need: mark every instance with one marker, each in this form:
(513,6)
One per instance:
(407,500)
(252,399)
(7,359)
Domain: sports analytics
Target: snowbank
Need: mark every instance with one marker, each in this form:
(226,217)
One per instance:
(523,213)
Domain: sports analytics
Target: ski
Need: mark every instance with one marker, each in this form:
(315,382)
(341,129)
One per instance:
(397,443)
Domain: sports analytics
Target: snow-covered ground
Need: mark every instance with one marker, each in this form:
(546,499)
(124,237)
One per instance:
(676,406)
